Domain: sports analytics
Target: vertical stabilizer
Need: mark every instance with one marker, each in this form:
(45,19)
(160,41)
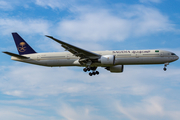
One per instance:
(22,46)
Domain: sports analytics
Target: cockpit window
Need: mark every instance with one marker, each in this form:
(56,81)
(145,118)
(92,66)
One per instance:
(173,54)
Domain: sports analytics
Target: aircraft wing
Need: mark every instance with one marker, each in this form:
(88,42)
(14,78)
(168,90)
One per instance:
(16,55)
(76,50)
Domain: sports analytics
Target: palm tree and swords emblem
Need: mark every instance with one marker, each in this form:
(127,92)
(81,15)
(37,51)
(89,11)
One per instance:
(22,47)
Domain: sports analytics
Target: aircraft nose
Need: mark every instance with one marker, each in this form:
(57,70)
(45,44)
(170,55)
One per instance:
(177,57)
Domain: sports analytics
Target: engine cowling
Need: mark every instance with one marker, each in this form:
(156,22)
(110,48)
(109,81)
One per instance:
(116,69)
(107,60)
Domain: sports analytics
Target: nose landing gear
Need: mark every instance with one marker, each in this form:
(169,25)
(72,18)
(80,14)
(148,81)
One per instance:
(165,65)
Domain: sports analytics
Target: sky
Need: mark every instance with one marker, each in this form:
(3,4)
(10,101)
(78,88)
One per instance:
(141,92)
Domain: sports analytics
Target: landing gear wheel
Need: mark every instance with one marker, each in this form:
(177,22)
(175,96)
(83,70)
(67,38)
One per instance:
(90,74)
(165,65)
(93,69)
(88,69)
(85,70)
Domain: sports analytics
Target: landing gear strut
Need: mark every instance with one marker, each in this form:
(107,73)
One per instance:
(93,69)
(165,65)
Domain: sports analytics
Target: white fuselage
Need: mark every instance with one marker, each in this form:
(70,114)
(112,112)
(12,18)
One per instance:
(122,57)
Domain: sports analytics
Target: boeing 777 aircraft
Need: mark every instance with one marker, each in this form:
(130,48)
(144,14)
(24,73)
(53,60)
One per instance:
(113,61)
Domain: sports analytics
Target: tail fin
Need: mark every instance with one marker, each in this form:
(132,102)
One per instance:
(22,46)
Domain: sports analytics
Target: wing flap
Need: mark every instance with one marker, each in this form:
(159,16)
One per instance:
(16,55)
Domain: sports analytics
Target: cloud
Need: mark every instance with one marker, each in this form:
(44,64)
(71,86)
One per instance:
(20,113)
(153,1)
(24,26)
(33,80)
(9,5)
(22,102)
(52,86)
(78,113)
(100,24)
(5,5)
(148,107)
(60,4)
(154,107)
(14,93)
(96,24)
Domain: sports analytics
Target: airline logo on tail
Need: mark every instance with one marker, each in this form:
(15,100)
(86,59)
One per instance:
(22,47)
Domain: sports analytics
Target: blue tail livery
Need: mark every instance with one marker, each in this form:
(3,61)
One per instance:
(22,46)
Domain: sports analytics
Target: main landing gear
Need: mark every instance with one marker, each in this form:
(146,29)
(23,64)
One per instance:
(93,69)
(93,73)
(165,65)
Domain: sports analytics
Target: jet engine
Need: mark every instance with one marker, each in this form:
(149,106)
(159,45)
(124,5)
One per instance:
(107,60)
(115,69)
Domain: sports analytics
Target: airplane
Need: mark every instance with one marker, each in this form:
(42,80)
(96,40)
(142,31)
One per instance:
(112,61)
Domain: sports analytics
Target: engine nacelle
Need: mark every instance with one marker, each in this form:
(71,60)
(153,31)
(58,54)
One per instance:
(116,69)
(107,60)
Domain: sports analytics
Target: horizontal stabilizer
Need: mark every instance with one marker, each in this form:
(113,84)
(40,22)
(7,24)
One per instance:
(16,55)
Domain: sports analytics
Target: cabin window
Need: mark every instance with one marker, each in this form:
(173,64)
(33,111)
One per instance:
(156,50)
